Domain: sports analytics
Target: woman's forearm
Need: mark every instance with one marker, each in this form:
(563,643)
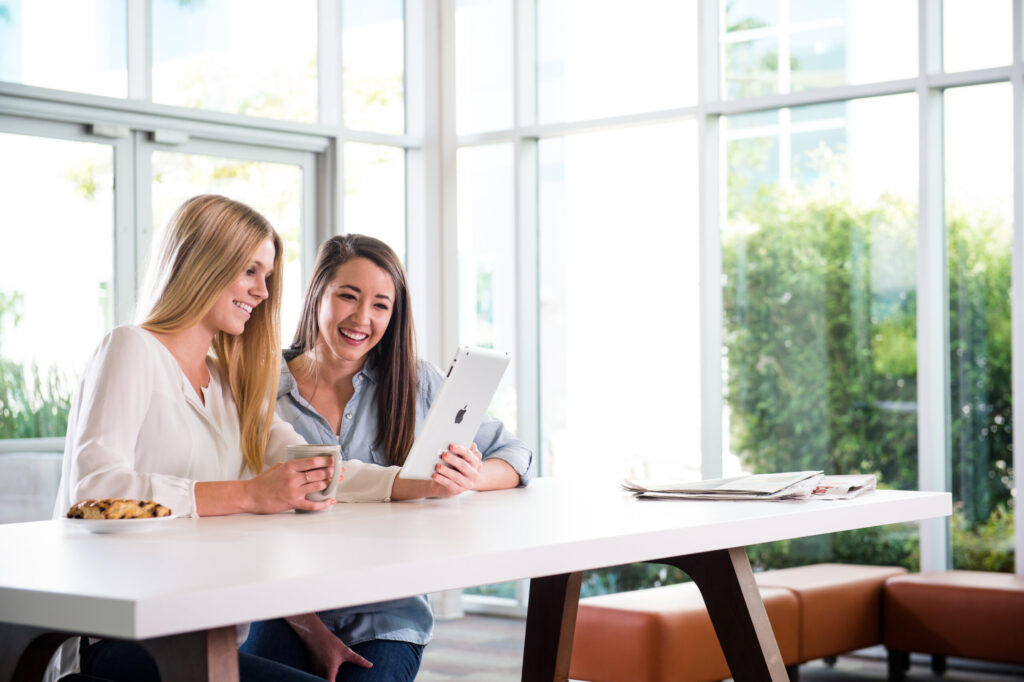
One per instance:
(496,474)
(217,498)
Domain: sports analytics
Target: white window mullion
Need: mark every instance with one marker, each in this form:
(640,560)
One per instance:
(126,263)
(140,51)
(711,210)
(526,223)
(329,169)
(933,439)
(1017,268)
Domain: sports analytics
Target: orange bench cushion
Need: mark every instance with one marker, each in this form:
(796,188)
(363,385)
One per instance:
(840,605)
(971,614)
(664,633)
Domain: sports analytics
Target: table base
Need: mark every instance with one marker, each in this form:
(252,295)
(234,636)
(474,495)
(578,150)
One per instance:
(730,593)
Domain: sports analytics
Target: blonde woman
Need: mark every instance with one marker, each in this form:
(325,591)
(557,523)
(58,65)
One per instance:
(179,409)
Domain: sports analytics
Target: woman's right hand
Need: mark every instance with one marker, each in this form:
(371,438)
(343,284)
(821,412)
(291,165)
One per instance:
(285,485)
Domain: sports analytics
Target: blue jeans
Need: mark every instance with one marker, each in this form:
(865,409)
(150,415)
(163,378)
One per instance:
(117,661)
(392,661)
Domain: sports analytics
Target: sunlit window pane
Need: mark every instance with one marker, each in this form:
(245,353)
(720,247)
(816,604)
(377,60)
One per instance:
(487,261)
(273,189)
(976,35)
(375,193)
(819,249)
(56,275)
(483,65)
(65,44)
(596,60)
(373,65)
(255,57)
(979,222)
(772,47)
(618,299)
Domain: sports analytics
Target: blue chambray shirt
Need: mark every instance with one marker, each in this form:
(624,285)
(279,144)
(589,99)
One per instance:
(410,619)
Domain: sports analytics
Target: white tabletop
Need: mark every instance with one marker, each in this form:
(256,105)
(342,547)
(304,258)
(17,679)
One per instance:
(194,574)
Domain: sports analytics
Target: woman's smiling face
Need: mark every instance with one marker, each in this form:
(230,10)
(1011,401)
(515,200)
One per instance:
(355,310)
(234,306)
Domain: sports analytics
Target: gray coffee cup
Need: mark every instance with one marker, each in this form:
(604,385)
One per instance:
(303,451)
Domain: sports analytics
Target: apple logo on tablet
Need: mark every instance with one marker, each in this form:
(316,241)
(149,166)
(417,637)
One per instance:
(460,414)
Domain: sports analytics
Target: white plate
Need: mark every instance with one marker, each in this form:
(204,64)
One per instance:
(117,525)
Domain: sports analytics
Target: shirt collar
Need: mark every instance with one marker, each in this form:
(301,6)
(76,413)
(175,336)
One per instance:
(286,384)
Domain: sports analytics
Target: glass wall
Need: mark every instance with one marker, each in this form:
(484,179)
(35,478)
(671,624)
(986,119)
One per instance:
(615,315)
(215,56)
(86,50)
(781,197)
(56,275)
(818,261)
(979,233)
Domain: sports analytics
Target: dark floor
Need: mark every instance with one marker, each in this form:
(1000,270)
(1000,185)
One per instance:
(489,649)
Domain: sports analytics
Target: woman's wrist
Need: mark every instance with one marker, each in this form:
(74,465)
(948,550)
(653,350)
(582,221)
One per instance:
(410,488)
(217,498)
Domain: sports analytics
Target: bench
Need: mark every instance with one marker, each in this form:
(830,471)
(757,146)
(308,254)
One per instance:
(665,633)
(968,614)
(840,605)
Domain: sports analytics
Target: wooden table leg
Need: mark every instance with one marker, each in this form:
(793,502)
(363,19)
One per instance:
(734,603)
(550,626)
(207,655)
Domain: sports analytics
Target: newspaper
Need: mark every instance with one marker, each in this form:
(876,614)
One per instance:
(795,485)
(844,487)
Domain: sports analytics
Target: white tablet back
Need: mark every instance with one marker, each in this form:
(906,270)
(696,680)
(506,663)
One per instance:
(458,408)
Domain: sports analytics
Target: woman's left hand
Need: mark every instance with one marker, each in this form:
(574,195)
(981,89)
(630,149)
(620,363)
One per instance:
(457,472)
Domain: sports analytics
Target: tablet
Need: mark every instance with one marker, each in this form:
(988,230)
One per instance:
(458,408)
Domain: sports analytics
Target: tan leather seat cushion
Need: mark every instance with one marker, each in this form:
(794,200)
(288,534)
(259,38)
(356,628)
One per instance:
(972,614)
(664,633)
(840,604)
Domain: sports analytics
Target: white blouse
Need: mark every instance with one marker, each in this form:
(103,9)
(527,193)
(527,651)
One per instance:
(138,430)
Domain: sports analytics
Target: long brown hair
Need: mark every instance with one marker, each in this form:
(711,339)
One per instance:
(209,241)
(394,357)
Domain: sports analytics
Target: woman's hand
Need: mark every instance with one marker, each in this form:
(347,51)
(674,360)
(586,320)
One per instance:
(329,656)
(285,485)
(457,472)
(326,652)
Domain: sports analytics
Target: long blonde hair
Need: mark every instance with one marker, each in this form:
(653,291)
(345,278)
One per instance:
(209,241)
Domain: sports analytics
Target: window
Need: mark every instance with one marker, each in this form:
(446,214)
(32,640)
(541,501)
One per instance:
(979,233)
(373,65)
(774,47)
(215,56)
(615,320)
(58,206)
(273,189)
(77,46)
(818,254)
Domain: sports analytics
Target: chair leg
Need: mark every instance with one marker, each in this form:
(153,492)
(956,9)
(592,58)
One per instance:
(899,662)
(938,664)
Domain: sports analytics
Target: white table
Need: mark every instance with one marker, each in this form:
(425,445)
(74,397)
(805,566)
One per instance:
(179,588)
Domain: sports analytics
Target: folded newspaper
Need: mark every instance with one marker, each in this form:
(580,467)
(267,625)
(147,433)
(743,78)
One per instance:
(793,485)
